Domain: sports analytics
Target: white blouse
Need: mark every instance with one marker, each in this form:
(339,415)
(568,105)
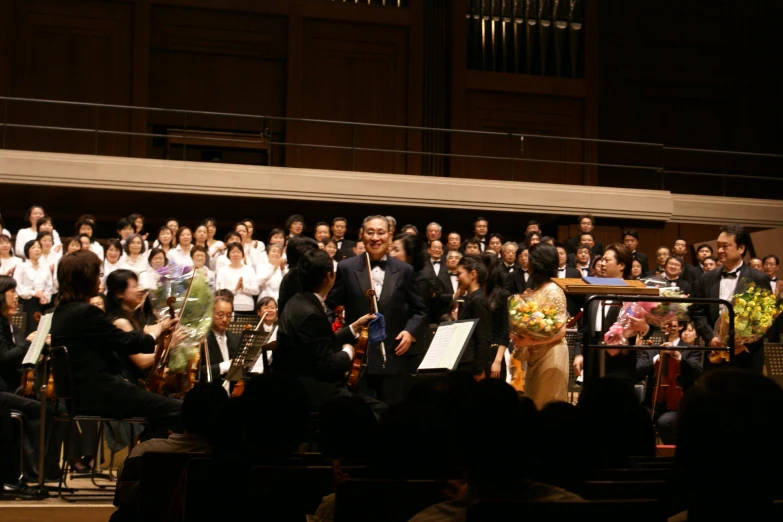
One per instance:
(269,279)
(210,275)
(138,266)
(227,279)
(109,267)
(97,249)
(30,280)
(7,264)
(28,234)
(179,256)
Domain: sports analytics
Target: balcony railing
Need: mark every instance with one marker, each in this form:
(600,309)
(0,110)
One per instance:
(103,129)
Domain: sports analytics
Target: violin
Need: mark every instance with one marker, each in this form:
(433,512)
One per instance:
(29,376)
(667,390)
(359,362)
(157,377)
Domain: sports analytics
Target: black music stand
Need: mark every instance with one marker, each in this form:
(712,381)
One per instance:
(773,362)
(252,343)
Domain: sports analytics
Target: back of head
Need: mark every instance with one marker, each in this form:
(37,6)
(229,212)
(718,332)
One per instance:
(347,428)
(313,267)
(495,414)
(204,409)
(729,430)
(78,275)
(297,247)
(274,411)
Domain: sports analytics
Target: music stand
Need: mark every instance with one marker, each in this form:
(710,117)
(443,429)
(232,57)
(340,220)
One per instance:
(773,362)
(252,343)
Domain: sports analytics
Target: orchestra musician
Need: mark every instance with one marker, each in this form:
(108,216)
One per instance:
(223,345)
(92,341)
(398,300)
(308,349)
(681,371)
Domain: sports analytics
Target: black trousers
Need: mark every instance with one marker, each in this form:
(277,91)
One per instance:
(389,389)
(112,396)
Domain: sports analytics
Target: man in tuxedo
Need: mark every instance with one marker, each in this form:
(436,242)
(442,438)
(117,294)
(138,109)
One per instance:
(344,246)
(308,349)
(689,272)
(398,300)
(573,303)
(631,240)
(731,278)
(601,315)
(223,345)
(672,273)
(703,251)
(517,281)
(453,242)
(661,255)
(586,226)
(436,268)
(480,231)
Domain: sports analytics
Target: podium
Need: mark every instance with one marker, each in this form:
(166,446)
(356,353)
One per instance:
(576,286)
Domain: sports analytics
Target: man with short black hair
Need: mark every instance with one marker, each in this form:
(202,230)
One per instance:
(344,246)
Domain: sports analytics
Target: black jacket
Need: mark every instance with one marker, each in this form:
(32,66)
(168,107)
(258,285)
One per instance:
(13,348)
(215,357)
(309,350)
(477,354)
(399,302)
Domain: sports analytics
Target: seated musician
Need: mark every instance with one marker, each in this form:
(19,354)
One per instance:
(685,368)
(124,298)
(92,342)
(223,345)
(308,349)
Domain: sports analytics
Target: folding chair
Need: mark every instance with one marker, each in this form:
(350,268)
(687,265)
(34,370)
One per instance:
(64,389)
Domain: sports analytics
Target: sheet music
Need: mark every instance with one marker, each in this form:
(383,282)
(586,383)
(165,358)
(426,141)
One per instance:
(448,345)
(258,367)
(44,326)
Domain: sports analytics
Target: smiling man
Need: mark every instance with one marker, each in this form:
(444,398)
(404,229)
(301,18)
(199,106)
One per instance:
(398,301)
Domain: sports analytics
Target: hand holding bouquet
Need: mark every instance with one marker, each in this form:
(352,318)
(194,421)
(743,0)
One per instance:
(662,313)
(536,318)
(755,310)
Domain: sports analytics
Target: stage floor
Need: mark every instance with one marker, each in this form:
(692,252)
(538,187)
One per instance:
(54,509)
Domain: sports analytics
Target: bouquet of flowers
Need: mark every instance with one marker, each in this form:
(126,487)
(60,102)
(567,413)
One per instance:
(658,314)
(196,316)
(616,333)
(755,310)
(535,316)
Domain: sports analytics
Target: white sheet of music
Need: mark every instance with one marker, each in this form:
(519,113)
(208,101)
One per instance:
(448,345)
(40,340)
(258,367)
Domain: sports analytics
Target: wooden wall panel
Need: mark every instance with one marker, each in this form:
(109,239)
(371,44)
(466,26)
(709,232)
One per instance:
(520,113)
(356,73)
(76,51)
(219,62)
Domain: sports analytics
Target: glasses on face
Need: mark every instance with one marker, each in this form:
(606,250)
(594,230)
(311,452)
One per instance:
(221,315)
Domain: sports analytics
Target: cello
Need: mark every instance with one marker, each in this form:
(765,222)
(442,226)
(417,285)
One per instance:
(667,391)
(157,377)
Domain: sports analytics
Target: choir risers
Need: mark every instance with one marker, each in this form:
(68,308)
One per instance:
(103,172)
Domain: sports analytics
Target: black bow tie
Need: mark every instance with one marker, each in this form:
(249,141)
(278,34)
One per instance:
(453,274)
(436,262)
(729,275)
(380,264)
(774,279)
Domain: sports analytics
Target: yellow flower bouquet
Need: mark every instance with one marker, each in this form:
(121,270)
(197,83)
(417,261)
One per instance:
(755,310)
(535,316)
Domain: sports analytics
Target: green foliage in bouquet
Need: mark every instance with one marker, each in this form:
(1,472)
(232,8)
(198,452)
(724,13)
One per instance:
(755,310)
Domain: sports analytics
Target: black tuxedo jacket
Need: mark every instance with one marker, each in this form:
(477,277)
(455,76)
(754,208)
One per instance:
(573,243)
(705,316)
(346,250)
(215,357)
(573,303)
(310,351)
(399,302)
(441,303)
(13,347)
(620,366)
(516,284)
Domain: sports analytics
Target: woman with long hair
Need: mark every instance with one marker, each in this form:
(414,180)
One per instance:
(546,378)
(497,297)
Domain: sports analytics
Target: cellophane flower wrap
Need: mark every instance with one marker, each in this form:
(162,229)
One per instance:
(196,319)
(536,315)
(755,310)
(659,314)
(615,334)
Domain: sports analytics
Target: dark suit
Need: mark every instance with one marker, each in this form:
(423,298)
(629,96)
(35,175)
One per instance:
(345,249)
(705,316)
(690,370)
(476,358)
(620,366)
(215,357)
(95,346)
(310,351)
(439,305)
(516,284)
(400,304)
(573,243)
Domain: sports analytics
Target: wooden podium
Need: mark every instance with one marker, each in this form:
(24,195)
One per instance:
(575,286)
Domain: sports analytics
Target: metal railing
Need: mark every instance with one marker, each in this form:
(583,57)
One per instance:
(662,168)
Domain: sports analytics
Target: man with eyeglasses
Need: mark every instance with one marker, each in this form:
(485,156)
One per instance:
(223,345)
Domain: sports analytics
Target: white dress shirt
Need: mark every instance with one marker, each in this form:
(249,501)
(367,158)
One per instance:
(28,234)
(436,265)
(729,284)
(378,275)
(30,280)
(225,364)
